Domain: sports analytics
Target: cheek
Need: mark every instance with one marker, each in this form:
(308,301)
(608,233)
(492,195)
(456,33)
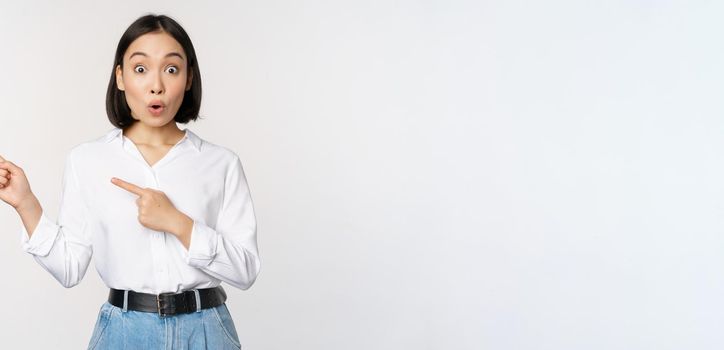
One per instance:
(177,89)
(132,88)
(180,83)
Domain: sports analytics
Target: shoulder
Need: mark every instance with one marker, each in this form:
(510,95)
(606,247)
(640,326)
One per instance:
(222,155)
(216,151)
(225,158)
(93,145)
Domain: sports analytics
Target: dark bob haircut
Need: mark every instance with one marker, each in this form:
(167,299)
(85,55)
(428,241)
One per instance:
(116,105)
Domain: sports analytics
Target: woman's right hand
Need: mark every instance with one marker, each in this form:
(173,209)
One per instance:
(14,185)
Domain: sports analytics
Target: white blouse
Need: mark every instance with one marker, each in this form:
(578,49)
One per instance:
(97,218)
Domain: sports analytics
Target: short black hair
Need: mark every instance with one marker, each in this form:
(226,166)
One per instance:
(116,106)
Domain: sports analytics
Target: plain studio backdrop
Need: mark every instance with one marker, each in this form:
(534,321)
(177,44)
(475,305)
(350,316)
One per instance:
(426,174)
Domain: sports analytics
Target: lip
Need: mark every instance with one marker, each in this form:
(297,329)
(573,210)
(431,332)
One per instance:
(156,111)
(156,102)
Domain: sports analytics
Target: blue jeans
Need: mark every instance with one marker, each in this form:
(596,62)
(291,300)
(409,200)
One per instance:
(210,328)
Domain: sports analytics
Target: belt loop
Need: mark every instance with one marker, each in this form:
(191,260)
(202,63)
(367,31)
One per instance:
(125,300)
(198,300)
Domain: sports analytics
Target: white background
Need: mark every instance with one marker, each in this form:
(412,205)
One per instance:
(426,174)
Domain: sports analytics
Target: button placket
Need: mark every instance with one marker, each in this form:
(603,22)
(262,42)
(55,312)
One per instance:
(158,238)
(163,236)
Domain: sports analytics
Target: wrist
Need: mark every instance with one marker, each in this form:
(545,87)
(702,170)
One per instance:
(28,204)
(183,225)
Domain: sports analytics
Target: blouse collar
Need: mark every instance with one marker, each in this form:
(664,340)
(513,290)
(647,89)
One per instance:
(116,134)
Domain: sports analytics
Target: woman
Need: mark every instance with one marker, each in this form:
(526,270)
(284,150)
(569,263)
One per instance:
(167,215)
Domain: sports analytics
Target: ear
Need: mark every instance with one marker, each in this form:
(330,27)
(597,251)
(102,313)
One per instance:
(189,79)
(119,78)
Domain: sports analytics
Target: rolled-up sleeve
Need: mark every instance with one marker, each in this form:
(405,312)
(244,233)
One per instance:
(228,251)
(63,248)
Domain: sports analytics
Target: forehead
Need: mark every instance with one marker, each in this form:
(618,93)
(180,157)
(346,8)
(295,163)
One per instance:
(155,45)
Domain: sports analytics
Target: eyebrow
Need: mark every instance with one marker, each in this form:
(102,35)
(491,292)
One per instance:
(167,55)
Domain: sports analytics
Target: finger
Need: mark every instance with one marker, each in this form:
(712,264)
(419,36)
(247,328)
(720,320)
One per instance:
(2,159)
(127,186)
(10,167)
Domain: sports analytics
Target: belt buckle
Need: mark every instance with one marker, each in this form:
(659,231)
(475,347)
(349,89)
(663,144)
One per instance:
(161,308)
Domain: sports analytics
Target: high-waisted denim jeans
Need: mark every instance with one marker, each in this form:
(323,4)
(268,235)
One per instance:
(210,328)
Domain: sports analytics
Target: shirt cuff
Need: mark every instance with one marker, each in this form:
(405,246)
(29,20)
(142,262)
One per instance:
(42,239)
(202,246)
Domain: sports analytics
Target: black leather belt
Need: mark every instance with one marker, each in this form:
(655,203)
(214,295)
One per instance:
(166,304)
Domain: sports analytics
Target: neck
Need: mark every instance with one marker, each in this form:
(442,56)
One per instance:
(143,134)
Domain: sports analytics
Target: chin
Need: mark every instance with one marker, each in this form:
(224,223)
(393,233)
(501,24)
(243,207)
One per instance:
(156,121)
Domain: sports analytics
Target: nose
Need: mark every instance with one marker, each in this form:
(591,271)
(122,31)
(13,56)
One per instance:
(157,85)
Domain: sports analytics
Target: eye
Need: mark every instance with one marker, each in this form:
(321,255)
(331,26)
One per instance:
(172,70)
(135,69)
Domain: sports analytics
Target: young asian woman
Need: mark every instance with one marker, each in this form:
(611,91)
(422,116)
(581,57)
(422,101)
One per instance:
(166,215)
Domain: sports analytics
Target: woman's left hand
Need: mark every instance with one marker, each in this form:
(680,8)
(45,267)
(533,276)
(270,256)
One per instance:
(155,210)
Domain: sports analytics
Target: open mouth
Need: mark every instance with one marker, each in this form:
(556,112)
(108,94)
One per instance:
(155,109)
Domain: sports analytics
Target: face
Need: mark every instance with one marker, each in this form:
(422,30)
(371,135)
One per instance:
(154,77)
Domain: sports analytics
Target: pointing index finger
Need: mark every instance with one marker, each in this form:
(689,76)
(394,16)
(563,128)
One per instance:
(127,186)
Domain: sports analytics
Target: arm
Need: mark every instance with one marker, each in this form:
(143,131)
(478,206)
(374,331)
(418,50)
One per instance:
(64,248)
(30,213)
(228,251)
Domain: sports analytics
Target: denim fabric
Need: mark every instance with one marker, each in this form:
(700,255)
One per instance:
(210,328)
